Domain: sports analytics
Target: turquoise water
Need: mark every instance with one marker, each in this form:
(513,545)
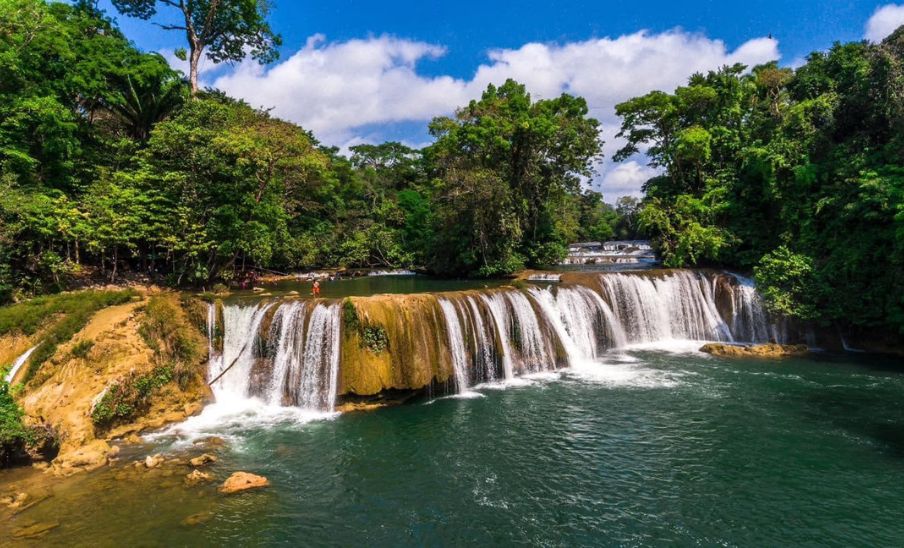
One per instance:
(652,447)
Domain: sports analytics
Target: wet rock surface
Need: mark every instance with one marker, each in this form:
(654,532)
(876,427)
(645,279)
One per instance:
(243,481)
(771,350)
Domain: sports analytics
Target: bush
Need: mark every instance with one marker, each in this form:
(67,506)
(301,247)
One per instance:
(372,337)
(165,330)
(81,348)
(129,397)
(14,435)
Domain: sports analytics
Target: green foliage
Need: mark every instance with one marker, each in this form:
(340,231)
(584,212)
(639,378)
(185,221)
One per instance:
(796,174)
(786,282)
(14,435)
(167,331)
(128,398)
(59,317)
(227,30)
(373,337)
(510,169)
(81,348)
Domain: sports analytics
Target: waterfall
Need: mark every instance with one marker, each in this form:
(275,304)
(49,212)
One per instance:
(17,365)
(456,344)
(495,302)
(296,362)
(749,320)
(484,349)
(677,305)
(288,353)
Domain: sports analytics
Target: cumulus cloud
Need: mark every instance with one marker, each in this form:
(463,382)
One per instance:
(337,88)
(884,21)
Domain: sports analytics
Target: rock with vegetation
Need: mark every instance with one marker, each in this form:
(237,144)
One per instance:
(770,350)
(126,368)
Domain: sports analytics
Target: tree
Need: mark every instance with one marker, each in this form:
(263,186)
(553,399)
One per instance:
(226,30)
(539,151)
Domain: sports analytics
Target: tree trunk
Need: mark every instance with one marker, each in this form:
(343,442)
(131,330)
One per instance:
(194,61)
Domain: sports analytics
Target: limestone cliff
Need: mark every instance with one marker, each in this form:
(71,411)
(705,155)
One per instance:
(106,354)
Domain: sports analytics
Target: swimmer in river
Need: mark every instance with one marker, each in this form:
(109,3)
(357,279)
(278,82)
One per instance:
(315,291)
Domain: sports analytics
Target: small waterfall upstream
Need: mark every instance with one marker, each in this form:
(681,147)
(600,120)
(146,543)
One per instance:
(17,365)
(287,353)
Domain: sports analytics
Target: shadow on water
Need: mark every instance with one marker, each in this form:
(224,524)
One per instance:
(868,408)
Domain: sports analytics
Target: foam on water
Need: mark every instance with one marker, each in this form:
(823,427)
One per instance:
(231,417)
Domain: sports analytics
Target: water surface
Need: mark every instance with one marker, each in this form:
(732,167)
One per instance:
(650,447)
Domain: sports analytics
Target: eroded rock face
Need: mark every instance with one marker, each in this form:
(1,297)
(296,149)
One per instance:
(243,481)
(65,390)
(771,350)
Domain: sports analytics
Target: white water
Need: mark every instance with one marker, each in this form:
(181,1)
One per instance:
(17,365)
(456,344)
(679,305)
(495,302)
(303,367)
(507,335)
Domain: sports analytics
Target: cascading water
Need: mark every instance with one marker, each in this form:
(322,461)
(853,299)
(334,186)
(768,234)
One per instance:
(491,335)
(298,356)
(678,305)
(17,365)
(456,344)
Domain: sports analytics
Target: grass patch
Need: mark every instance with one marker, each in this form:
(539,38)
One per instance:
(60,317)
(81,349)
(169,333)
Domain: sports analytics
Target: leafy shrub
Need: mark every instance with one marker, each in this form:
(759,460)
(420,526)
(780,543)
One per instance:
(372,337)
(129,397)
(81,348)
(166,332)
(14,435)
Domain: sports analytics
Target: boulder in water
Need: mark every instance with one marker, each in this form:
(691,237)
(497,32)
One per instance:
(770,350)
(242,481)
(196,477)
(204,459)
(197,519)
(153,461)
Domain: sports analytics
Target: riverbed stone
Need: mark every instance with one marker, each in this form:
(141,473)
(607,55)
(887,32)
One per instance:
(196,477)
(197,519)
(35,530)
(153,461)
(242,481)
(770,350)
(203,460)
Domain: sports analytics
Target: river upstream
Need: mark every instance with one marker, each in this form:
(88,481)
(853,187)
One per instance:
(650,445)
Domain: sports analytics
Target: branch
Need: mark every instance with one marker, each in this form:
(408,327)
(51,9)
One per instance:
(170,27)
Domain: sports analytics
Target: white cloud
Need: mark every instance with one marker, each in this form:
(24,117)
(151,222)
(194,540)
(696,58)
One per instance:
(884,21)
(337,88)
(625,179)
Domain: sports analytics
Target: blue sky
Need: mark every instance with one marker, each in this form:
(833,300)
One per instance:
(355,71)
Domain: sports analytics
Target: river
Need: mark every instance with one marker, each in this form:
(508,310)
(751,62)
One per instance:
(650,445)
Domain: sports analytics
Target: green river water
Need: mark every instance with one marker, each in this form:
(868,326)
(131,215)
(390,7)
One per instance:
(647,447)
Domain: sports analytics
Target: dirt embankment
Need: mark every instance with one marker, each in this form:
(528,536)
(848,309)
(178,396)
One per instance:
(105,359)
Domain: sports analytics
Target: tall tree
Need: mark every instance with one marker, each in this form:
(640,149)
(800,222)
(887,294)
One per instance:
(225,29)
